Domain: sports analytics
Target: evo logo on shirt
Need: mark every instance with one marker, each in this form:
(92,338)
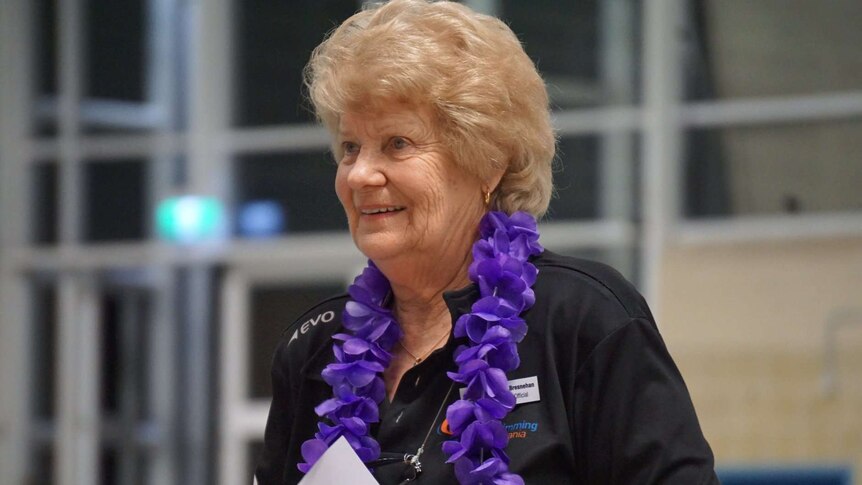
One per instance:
(324,317)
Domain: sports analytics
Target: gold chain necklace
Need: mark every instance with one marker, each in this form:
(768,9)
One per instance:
(418,360)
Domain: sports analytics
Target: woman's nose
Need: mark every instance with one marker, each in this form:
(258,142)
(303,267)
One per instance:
(366,170)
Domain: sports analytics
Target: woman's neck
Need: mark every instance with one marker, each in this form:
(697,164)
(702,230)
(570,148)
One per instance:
(421,312)
(418,295)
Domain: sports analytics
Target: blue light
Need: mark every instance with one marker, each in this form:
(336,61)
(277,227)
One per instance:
(261,219)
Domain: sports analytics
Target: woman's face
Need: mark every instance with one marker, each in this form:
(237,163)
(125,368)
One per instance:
(405,199)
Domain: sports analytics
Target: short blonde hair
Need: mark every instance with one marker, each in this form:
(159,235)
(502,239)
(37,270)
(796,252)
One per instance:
(490,102)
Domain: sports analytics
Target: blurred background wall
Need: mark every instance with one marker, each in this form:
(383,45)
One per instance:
(166,210)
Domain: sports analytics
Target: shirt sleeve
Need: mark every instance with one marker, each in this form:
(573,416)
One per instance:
(634,422)
(273,458)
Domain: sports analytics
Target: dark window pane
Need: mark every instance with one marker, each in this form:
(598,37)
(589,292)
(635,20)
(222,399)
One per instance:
(45,15)
(565,40)
(115,49)
(273,309)
(44,63)
(44,356)
(576,179)
(301,184)
(125,351)
(44,207)
(108,461)
(784,169)
(596,177)
(139,355)
(42,467)
(120,465)
(774,48)
(112,353)
(274,40)
(115,201)
(707,187)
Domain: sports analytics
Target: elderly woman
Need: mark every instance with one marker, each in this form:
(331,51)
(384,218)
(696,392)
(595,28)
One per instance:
(464,352)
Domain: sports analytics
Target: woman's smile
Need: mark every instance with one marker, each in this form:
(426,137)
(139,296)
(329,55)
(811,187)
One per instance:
(381,211)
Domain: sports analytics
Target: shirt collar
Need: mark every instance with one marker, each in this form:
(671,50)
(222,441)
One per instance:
(461,301)
(458,301)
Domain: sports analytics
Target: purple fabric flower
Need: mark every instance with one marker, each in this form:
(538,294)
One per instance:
(485,384)
(312,450)
(459,415)
(488,312)
(520,228)
(357,374)
(476,436)
(491,471)
(502,277)
(371,287)
(350,406)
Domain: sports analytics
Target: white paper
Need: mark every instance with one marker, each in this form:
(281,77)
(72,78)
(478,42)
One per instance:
(339,465)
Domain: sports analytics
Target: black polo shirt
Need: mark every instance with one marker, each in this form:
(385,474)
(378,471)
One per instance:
(612,407)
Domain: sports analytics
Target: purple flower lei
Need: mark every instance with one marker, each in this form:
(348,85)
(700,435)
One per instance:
(494,327)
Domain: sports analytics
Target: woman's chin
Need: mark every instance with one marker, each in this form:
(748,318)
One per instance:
(379,248)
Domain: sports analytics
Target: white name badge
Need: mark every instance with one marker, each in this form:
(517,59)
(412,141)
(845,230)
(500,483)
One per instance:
(525,390)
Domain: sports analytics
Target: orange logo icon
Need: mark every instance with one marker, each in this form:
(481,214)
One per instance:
(444,427)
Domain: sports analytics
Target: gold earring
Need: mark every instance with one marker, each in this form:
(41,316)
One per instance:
(487,197)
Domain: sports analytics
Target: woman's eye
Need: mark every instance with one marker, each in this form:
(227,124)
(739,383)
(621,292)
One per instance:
(399,143)
(349,147)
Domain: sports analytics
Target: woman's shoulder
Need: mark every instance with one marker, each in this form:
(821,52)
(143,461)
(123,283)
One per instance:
(312,329)
(585,298)
(589,281)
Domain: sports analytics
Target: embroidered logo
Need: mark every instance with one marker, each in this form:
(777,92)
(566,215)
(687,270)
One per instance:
(444,428)
(521,429)
(324,317)
(518,430)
